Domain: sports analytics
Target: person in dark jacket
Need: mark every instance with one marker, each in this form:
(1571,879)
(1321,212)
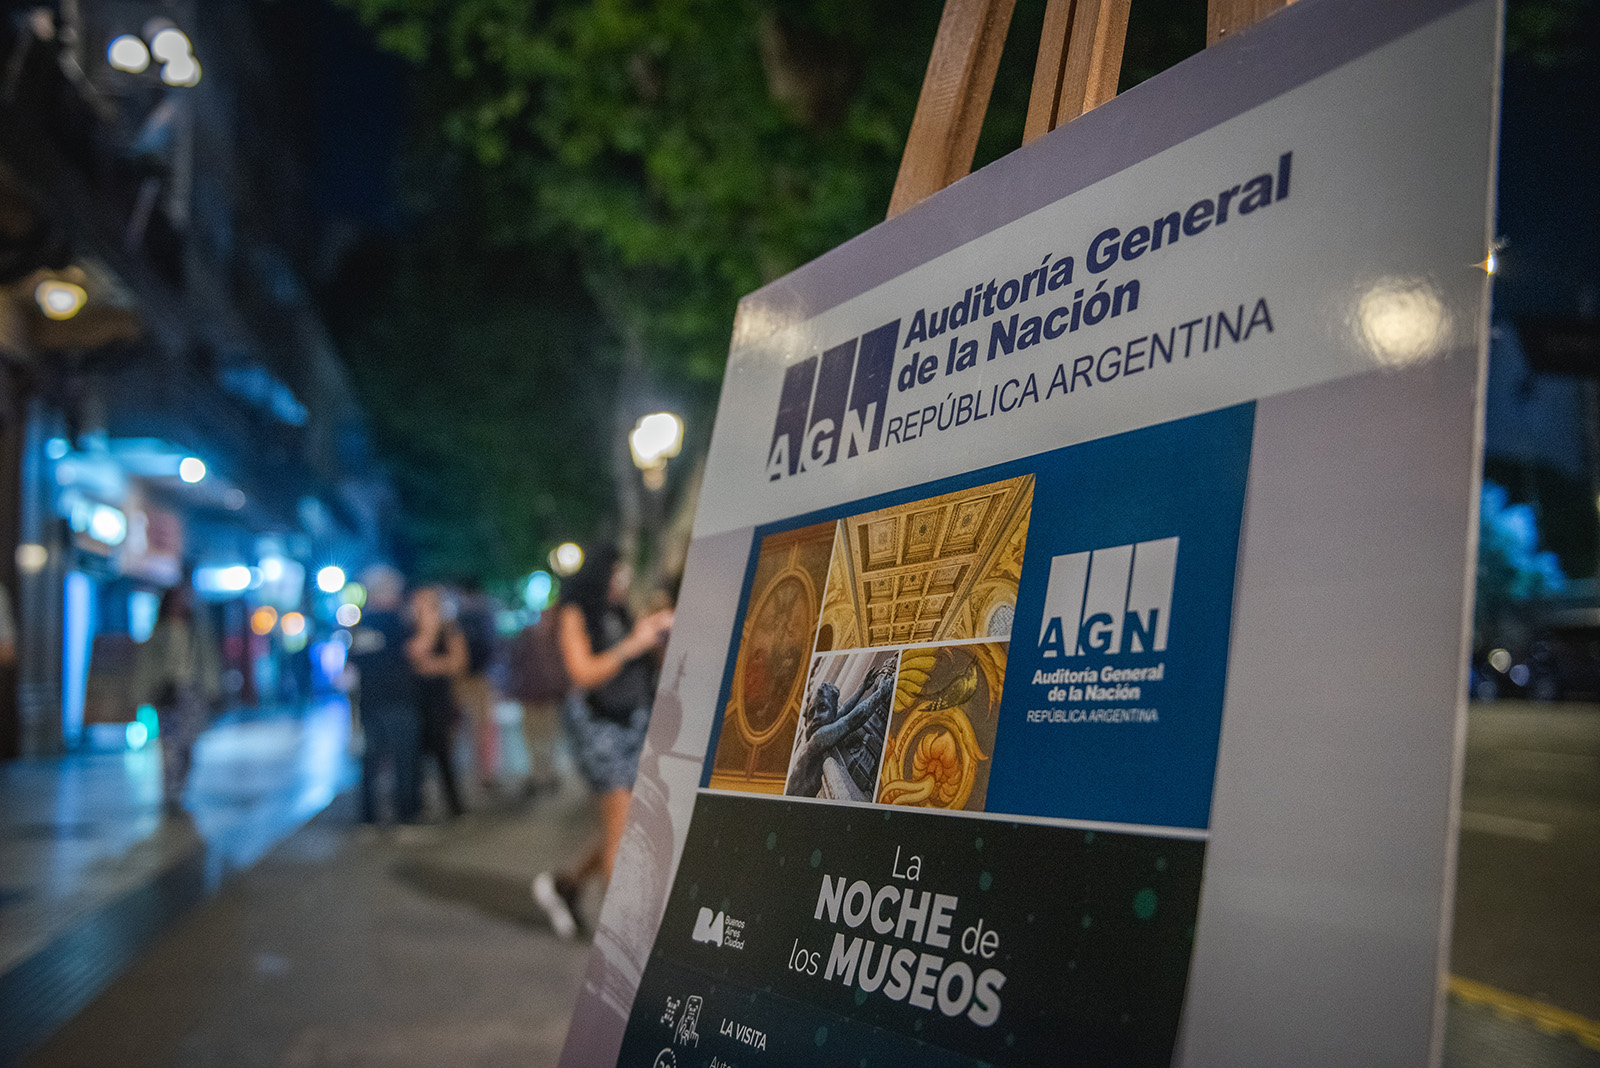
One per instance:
(438,653)
(386,695)
(610,660)
(474,691)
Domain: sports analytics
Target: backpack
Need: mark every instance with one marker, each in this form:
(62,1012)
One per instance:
(477,627)
(538,674)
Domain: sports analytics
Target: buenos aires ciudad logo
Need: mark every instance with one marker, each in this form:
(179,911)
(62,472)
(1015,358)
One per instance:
(718,929)
(1109,601)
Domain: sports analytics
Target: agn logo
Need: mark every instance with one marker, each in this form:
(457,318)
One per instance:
(833,404)
(1109,601)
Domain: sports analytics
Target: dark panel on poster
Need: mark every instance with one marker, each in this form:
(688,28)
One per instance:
(1007,943)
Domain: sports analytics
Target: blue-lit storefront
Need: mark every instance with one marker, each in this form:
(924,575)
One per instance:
(121,521)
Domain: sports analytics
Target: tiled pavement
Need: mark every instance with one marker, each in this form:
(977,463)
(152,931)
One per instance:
(334,948)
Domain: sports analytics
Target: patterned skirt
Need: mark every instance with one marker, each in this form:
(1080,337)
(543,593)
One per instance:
(607,751)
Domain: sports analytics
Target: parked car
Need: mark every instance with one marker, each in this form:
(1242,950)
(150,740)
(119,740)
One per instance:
(1564,657)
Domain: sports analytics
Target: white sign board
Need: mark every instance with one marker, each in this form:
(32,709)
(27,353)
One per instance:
(1070,661)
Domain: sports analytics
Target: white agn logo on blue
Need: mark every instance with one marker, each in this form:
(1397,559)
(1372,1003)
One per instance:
(1109,601)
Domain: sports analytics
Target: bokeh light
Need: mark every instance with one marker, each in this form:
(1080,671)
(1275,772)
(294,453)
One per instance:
(566,558)
(128,53)
(60,300)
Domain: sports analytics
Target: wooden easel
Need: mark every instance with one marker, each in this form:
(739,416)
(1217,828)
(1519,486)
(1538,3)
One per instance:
(1080,59)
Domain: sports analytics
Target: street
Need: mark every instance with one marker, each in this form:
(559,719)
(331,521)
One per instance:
(1528,888)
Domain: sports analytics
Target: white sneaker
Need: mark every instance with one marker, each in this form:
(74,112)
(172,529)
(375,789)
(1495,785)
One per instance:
(555,906)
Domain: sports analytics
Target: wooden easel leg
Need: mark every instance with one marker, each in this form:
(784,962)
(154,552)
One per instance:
(955,96)
(1047,72)
(1080,60)
(1224,17)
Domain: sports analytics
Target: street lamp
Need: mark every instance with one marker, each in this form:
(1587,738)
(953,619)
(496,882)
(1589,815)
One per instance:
(128,54)
(566,558)
(655,439)
(168,46)
(59,299)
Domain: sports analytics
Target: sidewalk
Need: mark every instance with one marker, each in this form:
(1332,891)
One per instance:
(340,949)
(344,950)
(90,874)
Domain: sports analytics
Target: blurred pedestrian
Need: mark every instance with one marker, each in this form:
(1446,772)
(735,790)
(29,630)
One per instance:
(386,697)
(438,653)
(179,671)
(474,690)
(537,679)
(610,661)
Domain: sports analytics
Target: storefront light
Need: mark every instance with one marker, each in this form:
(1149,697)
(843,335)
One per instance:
(263,619)
(536,594)
(293,624)
(143,607)
(235,578)
(331,655)
(31,558)
(107,524)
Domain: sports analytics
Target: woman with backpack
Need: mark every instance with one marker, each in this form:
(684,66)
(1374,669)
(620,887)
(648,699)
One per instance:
(610,661)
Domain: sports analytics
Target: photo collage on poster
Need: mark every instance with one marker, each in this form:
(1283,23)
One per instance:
(873,653)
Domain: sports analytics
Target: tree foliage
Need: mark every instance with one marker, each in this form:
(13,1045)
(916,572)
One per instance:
(482,401)
(648,162)
(687,151)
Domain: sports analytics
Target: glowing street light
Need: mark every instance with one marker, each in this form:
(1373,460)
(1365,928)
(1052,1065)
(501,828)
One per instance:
(169,48)
(566,558)
(330,579)
(655,439)
(128,53)
(59,300)
(170,44)
(182,72)
(191,469)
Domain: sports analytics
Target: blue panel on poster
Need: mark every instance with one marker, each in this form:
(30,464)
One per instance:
(1113,693)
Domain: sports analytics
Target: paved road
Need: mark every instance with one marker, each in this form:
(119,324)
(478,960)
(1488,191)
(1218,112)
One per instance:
(1528,889)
